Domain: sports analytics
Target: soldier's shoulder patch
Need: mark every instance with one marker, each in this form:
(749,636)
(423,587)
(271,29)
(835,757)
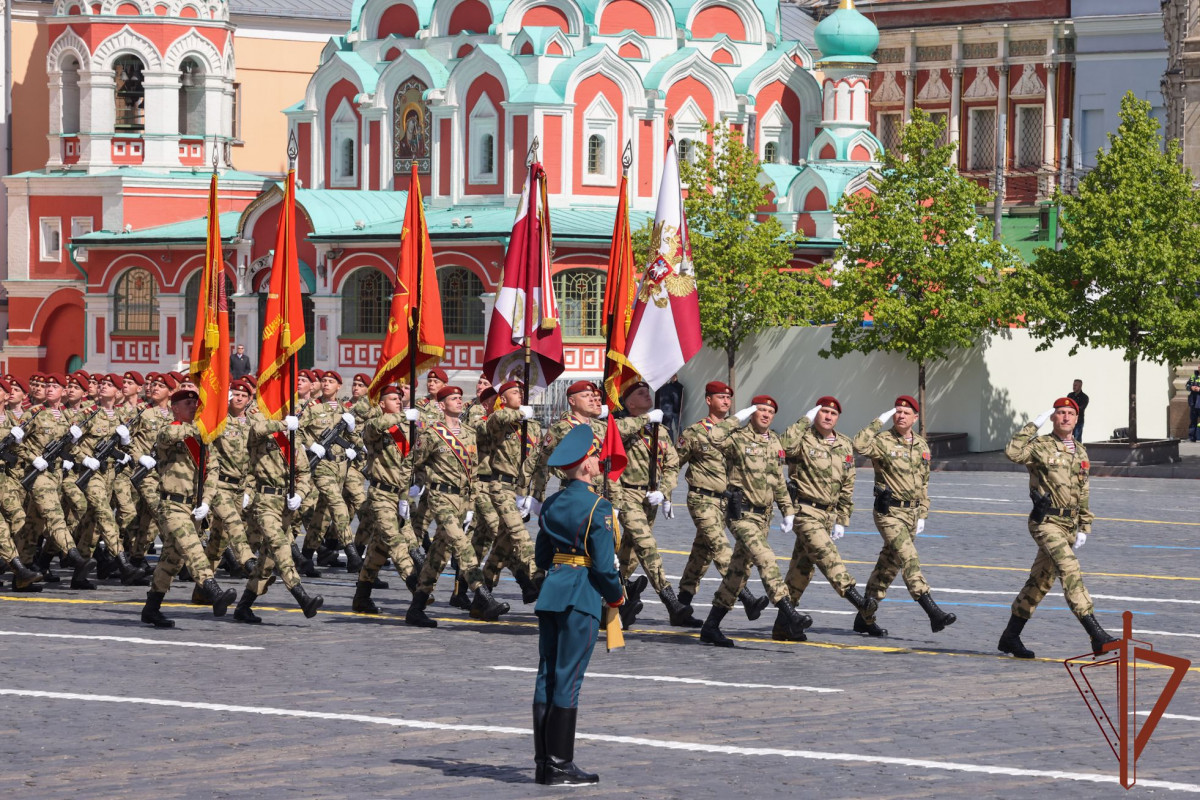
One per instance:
(608,520)
(925,455)
(680,442)
(1085,465)
(849,458)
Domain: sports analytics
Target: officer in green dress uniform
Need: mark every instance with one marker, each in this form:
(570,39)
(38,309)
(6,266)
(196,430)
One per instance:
(575,547)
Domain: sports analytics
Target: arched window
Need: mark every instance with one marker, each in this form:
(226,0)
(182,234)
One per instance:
(580,295)
(191,98)
(70,95)
(347,147)
(595,154)
(462,306)
(130,94)
(366,303)
(685,150)
(771,153)
(191,299)
(135,303)
(487,154)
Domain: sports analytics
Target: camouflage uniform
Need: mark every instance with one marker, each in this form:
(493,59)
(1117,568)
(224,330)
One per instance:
(44,506)
(431,412)
(151,421)
(12,495)
(1054,470)
(185,482)
(629,496)
(511,472)
(902,465)
(329,476)
(391,474)
(354,491)
(75,504)
(486,523)
(449,462)
(821,479)
(99,521)
(541,473)
(706,503)
(271,517)
(231,463)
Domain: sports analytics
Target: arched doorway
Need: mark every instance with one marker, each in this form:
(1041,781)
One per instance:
(63,336)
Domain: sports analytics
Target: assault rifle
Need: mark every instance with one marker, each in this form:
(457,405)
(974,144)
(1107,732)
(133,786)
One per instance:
(7,454)
(105,450)
(59,448)
(328,439)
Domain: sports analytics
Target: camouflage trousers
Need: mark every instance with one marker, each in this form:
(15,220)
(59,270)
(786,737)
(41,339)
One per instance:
(898,556)
(637,536)
(710,545)
(228,525)
(328,479)
(12,515)
(273,523)
(44,517)
(125,500)
(750,549)
(513,548)
(814,547)
(181,545)
(420,516)
(485,526)
(1055,559)
(387,535)
(146,530)
(75,506)
(354,495)
(99,521)
(448,511)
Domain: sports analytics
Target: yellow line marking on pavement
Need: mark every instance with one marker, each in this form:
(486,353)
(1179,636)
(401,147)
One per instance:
(1102,519)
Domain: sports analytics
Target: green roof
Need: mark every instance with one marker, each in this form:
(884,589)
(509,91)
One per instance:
(188,231)
(1024,233)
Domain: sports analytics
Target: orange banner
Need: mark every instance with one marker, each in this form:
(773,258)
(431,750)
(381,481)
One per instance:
(210,339)
(619,288)
(283,322)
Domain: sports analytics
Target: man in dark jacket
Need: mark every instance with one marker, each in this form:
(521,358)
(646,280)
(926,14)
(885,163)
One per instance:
(239,363)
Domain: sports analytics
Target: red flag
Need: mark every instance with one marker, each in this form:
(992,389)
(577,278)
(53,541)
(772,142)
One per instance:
(415,327)
(283,328)
(210,340)
(525,308)
(614,450)
(619,289)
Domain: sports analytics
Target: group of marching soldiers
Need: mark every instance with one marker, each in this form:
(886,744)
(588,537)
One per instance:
(94,469)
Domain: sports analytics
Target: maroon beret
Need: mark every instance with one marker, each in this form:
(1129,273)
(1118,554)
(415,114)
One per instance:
(134,376)
(582,386)
(717,387)
(15,381)
(184,394)
(391,388)
(241,385)
(307,374)
(490,392)
(363,378)
(904,400)
(447,391)
(116,380)
(504,387)
(1066,402)
(830,402)
(440,374)
(765,400)
(329,373)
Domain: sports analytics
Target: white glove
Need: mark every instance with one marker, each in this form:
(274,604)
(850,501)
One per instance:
(291,422)
(920,526)
(245,499)
(348,418)
(68,465)
(18,435)
(668,511)
(40,464)
(414,491)
(655,498)
(76,432)
(523,506)
(655,416)
(603,412)
(886,416)
(812,413)
(470,516)
(838,531)
(1040,419)
(412,414)
(294,501)
(124,459)
(317,450)
(1080,539)
(123,433)
(744,414)
(200,512)
(616,512)
(535,507)
(616,562)
(403,509)
(147,462)
(351,453)
(788,522)
(91,463)
(527,412)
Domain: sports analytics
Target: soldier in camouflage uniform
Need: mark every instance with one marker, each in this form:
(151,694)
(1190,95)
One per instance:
(152,420)
(354,491)
(706,501)
(329,476)
(184,467)
(77,409)
(123,494)
(821,481)
(447,452)
(901,461)
(1060,522)
(231,494)
(754,458)
(430,412)
(478,407)
(12,495)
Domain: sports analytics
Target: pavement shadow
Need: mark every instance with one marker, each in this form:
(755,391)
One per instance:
(470,769)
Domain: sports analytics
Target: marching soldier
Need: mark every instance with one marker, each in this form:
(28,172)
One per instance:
(486,522)
(156,416)
(478,407)
(821,481)
(1060,522)
(12,497)
(329,476)
(900,457)
(354,491)
(231,492)
(430,412)
(754,458)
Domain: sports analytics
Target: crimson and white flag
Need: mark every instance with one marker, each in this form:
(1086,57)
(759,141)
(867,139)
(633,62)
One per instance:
(665,329)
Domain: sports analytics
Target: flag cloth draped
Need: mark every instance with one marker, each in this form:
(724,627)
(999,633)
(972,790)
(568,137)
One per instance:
(283,328)
(415,326)
(210,339)
(614,449)
(665,330)
(525,305)
(619,289)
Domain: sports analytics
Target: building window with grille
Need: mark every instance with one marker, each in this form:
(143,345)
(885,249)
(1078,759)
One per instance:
(191,300)
(889,131)
(366,303)
(50,239)
(135,304)
(580,296)
(343,130)
(483,128)
(130,95)
(982,138)
(462,303)
(595,154)
(941,119)
(599,129)
(687,150)
(1028,147)
(771,153)
(191,98)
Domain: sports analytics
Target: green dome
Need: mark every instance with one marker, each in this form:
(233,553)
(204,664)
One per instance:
(846,36)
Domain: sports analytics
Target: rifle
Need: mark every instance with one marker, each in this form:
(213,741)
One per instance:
(57,449)
(327,440)
(654,426)
(1041,505)
(7,455)
(106,449)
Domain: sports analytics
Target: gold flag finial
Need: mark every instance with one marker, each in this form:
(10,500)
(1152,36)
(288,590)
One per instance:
(847,4)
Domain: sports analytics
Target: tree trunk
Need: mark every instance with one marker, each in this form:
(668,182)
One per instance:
(730,360)
(921,397)
(1133,364)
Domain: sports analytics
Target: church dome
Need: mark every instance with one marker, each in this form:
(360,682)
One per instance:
(846,36)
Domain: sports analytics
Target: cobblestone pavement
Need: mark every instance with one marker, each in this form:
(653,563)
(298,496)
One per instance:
(98,705)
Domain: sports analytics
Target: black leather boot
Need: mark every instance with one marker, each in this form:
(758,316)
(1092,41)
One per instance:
(411,580)
(865,605)
(326,556)
(229,563)
(303,564)
(362,603)
(633,605)
(460,597)
(1099,636)
(220,598)
(1010,640)
(486,607)
(353,559)
(244,611)
(23,576)
(378,584)
(560,750)
(869,628)
(416,612)
(938,619)
(309,604)
(250,567)
(152,611)
(418,557)
(710,632)
(539,742)
(686,597)
(753,605)
(130,574)
(529,592)
(790,624)
(82,566)
(42,562)
(200,596)
(106,565)
(783,631)
(680,615)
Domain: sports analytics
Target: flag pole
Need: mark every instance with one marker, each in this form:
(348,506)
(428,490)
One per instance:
(415,313)
(529,160)
(611,320)
(293,150)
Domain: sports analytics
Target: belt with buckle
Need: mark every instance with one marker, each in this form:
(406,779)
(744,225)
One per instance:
(266,489)
(509,479)
(572,560)
(642,487)
(179,498)
(445,488)
(384,486)
(1055,511)
(225,477)
(819,506)
(707,492)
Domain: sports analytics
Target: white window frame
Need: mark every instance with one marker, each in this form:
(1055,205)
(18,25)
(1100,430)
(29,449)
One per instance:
(600,120)
(689,124)
(776,128)
(483,122)
(1018,138)
(81,226)
(342,128)
(972,121)
(50,238)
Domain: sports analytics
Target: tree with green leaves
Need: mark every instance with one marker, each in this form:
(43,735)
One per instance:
(740,259)
(917,273)
(1128,275)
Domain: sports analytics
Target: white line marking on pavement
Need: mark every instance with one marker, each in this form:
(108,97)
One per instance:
(695,747)
(1183,717)
(131,640)
(942,589)
(978,499)
(696,681)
